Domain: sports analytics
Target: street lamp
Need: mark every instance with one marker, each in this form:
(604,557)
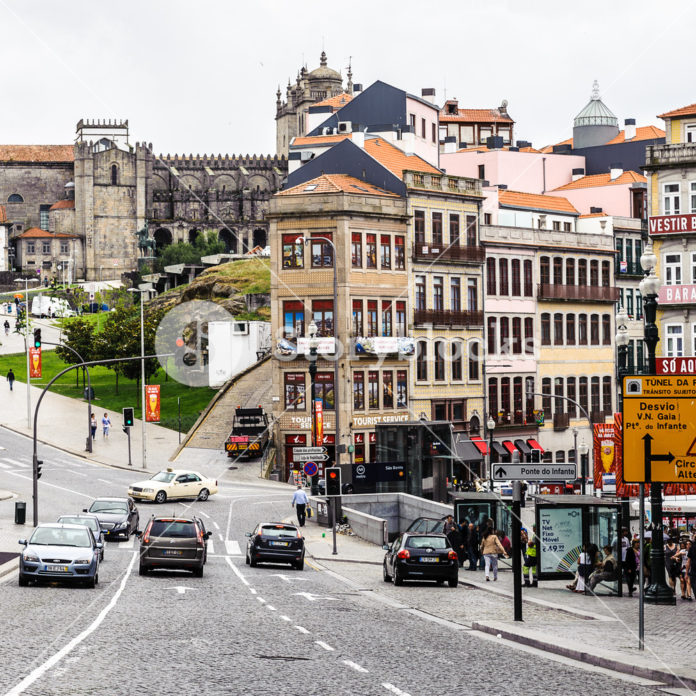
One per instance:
(582,449)
(142,368)
(490,424)
(622,346)
(312,330)
(26,282)
(658,592)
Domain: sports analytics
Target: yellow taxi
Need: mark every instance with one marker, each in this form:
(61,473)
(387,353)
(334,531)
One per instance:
(173,483)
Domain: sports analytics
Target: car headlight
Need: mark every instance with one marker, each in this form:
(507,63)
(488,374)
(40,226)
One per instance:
(119,525)
(83,561)
(29,556)
(148,490)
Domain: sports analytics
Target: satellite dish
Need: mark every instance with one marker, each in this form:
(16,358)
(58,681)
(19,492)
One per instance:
(504,103)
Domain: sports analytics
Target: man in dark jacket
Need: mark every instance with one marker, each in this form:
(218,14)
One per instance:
(472,547)
(455,538)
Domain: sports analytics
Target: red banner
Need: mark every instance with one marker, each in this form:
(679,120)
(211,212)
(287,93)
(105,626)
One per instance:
(319,417)
(152,403)
(676,366)
(34,362)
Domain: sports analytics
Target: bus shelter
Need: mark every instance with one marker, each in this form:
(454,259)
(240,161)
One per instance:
(476,508)
(564,523)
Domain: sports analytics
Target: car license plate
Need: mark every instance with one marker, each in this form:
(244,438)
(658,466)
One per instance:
(279,543)
(172,552)
(56,569)
(429,559)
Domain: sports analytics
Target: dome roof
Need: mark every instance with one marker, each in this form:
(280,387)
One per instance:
(323,72)
(596,113)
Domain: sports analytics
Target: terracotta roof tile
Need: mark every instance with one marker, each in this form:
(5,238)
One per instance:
(36,232)
(395,160)
(3,214)
(37,153)
(592,215)
(337,101)
(320,139)
(536,201)
(683,111)
(336,183)
(475,116)
(63,205)
(549,148)
(642,133)
(602,180)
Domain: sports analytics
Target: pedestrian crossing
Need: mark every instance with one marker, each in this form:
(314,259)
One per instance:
(24,463)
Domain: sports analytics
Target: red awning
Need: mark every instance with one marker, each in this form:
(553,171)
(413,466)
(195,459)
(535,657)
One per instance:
(509,446)
(535,445)
(480,444)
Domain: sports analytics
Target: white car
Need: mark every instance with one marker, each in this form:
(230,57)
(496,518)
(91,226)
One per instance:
(173,483)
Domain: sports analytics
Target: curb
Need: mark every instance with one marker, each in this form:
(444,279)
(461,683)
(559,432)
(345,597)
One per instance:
(613,661)
(9,567)
(335,559)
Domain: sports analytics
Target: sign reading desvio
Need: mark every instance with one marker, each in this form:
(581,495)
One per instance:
(379,472)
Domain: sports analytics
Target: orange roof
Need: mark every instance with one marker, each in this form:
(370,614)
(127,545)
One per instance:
(37,153)
(549,148)
(336,183)
(602,180)
(642,133)
(395,160)
(536,201)
(591,215)
(3,214)
(337,101)
(63,205)
(320,139)
(34,232)
(475,116)
(683,111)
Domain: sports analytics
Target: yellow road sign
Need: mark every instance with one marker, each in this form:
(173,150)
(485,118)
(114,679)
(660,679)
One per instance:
(659,429)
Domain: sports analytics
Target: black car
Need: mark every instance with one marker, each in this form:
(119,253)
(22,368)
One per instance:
(118,517)
(275,542)
(421,557)
(174,542)
(428,525)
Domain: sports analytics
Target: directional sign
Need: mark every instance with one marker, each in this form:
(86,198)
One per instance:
(308,450)
(311,457)
(534,472)
(659,441)
(310,469)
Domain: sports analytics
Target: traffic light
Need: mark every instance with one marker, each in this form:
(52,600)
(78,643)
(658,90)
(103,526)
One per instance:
(37,338)
(128,417)
(333,480)
(39,462)
(536,456)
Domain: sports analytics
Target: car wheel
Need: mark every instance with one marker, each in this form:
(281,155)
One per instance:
(398,579)
(299,565)
(385,575)
(198,572)
(101,556)
(203,495)
(161,497)
(93,581)
(246,558)
(252,561)
(23,582)
(142,570)
(453,582)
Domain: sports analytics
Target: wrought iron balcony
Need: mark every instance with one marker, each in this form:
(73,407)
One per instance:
(670,155)
(447,317)
(577,293)
(448,254)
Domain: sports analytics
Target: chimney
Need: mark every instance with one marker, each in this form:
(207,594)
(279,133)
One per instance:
(578,173)
(494,142)
(428,93)
(596,210)
(629,128)
(357,87)
(450,144)
(408,140)
(358,138)
(523,143)
(616,170)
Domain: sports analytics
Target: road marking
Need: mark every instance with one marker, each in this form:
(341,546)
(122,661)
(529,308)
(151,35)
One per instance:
(200,512)
(21,465)
(5,466)
(52,485)
(179,589)
(216,525)
(285,618)
(105,481)
(211,547)
(302,629)
(237,571)
(355,666)
(220,535)
(268,606)
(232,548)
(127,544)
(287,578)
(252,590)
(313,598)
(65,650)
(324,645)
(261,599)
(77,473)
(394,689)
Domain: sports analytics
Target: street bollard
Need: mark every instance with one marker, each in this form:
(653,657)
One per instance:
(20,512)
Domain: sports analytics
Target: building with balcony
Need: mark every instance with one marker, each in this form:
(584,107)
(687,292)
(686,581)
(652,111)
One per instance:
(474,126)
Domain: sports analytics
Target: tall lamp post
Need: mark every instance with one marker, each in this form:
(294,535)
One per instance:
(312,330)
(658,592)
(583,450)
(622,347)
(142,369)
(490,424)
(26,282)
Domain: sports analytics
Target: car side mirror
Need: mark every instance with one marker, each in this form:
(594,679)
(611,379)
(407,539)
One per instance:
(23,542)
(84,509)
(138,533)
(385,547)
(248,534)
(207,535)
(100,545)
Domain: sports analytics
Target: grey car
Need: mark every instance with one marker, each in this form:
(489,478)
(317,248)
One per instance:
(118,517)
(60,552)
(91,521)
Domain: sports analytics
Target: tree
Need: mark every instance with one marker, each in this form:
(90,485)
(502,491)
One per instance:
(181,252)
(78,335)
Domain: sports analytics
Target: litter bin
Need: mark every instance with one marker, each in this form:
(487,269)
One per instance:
(89,393)
(20,512)
(323,513)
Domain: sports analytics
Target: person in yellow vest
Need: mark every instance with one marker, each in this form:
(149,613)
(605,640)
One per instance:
(530,564)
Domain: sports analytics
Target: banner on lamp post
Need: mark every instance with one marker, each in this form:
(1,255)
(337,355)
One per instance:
(152,403)
(34,362)
(319,415)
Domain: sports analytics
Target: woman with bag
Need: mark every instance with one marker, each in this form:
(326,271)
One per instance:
(490,548)
(585,567)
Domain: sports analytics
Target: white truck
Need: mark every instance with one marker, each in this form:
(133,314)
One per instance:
(49,307)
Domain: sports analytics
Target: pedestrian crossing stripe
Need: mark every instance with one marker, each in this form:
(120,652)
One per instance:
(5,466)
(211,547)
(14,462)
(232,548)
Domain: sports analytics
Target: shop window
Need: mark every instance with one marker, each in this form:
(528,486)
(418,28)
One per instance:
(323,315)
(322,252)
(358,391)
(293,319)
(324,390)
(373,390)
(293,251)
(356,249)
(371,250)
(294,391)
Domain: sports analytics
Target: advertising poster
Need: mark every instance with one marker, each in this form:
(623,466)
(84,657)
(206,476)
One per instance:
(560,531)
(152,403)
(319,417)
(34,362)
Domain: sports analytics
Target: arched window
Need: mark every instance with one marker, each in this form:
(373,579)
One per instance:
(457,350)
(528,287)
(114,174)
(474,358)
(529,336)
(490,276)
(493,398)
(545,329)
(439,361)
(570,271)
(570,329)
(558,270)
(15,198)
(558,329)
(517,335)
(422,361)
(492,347)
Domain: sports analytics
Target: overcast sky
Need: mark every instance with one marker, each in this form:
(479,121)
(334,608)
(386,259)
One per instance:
(201,76)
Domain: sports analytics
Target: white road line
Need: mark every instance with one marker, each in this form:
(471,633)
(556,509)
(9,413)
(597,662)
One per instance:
(5,466)
(324,645)
(52,485)
(21,465)
(394,689)
(77,473)
(54,659)
(301,629)
(211,547)
(261,599)
(268,606)
(237,572)
(252,590)
(220,535)
(285,618)
(200,512)
(216,525)
(105,481)
(232,548)
(355,666)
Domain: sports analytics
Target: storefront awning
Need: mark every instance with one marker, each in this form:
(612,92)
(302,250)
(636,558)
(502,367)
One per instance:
(466,451)
(500,450)
(480,444)
(523,447)
(509,446)
(535,445)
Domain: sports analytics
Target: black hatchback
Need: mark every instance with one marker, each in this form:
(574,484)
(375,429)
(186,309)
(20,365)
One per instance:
(413,556)
(275,542)
(173,542)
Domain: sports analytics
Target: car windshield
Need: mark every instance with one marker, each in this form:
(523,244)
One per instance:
(108,506)
(426,542)
(279,531)
(84,521)
(163,476)
(172,528)
(54,536)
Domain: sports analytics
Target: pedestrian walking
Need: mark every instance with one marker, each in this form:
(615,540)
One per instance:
(11,379)
(7,327)
(681,558)
(472,546)
(630,566)
(490,548)
(93,426)
(691,567)
(530,565)
(672,565)
(106,424)
(299,502)
(454,536)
